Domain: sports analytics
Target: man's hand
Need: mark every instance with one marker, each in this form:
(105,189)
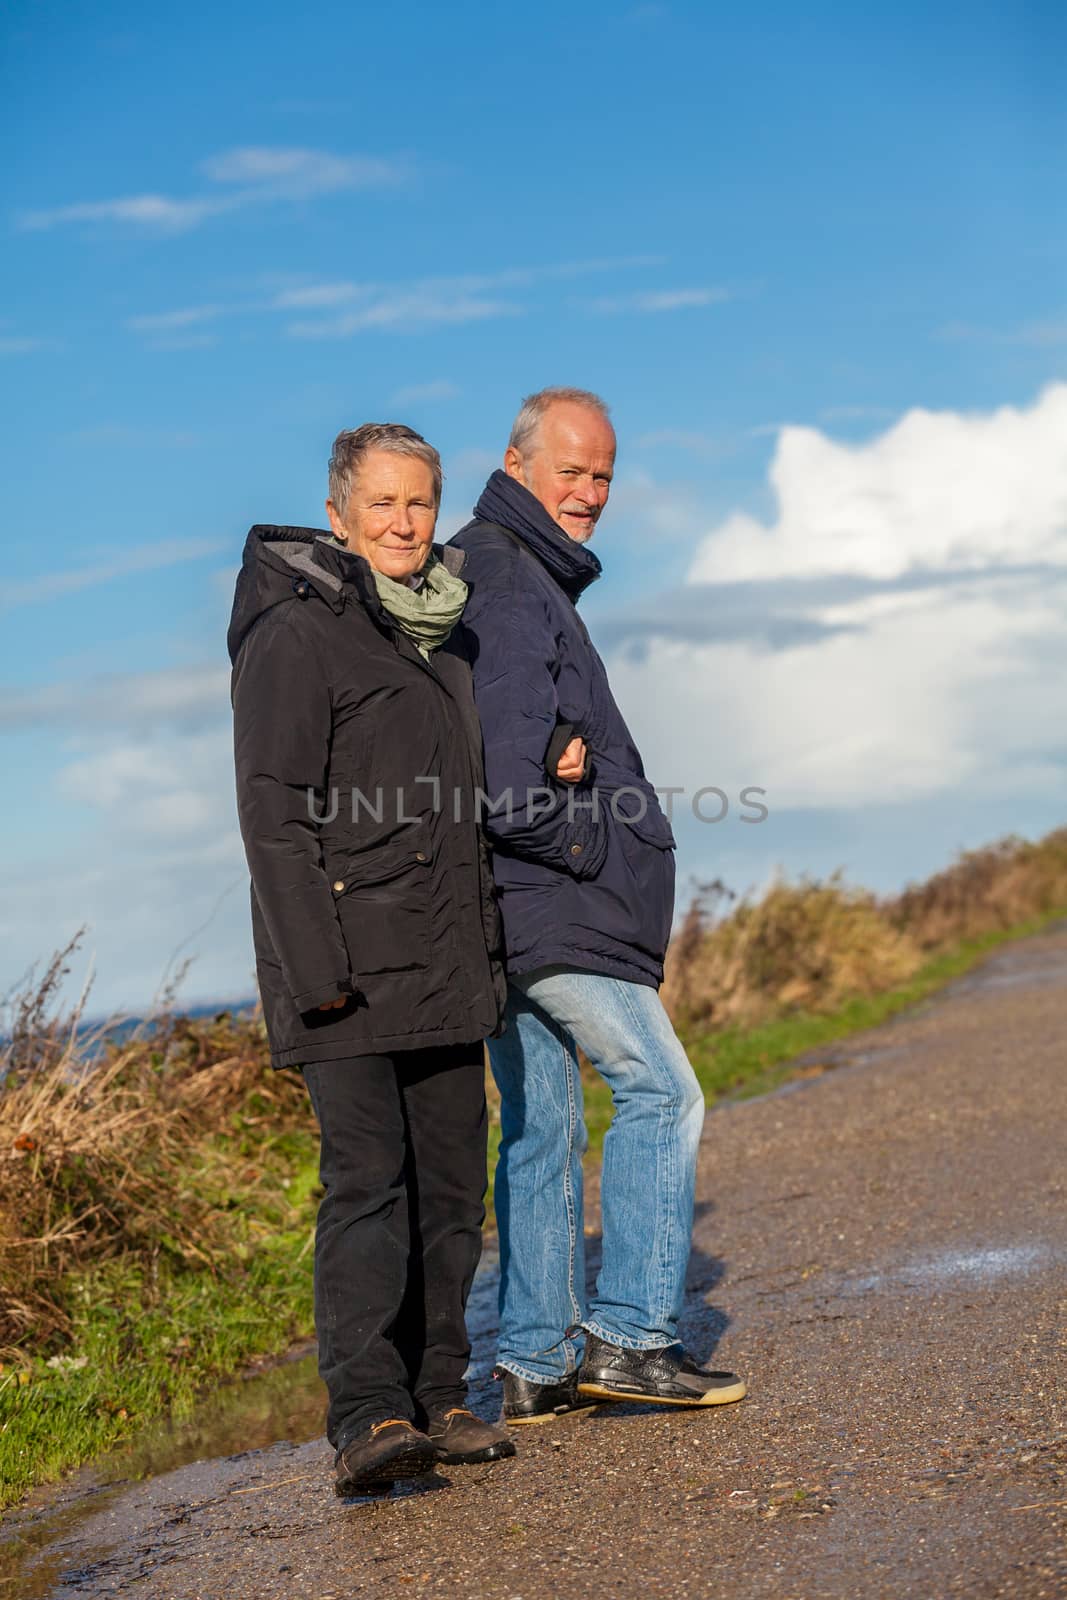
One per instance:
(572,762)
(335,1005)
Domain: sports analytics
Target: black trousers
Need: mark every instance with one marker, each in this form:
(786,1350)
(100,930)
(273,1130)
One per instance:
(399,1230)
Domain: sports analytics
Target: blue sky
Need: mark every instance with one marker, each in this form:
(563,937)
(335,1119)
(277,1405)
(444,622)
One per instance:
(814,258)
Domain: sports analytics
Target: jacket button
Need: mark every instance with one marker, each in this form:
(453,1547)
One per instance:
(576,849)
(420,855)
(338,887)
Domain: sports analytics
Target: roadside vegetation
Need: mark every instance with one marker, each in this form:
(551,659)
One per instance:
(158,1189)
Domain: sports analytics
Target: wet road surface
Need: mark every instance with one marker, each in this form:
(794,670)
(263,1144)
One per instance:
(881,1250)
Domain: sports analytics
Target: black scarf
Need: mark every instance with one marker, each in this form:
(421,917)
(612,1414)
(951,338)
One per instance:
(510,505)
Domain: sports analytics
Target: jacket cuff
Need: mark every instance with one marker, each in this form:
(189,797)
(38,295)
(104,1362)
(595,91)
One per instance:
(312,998)
(561,738)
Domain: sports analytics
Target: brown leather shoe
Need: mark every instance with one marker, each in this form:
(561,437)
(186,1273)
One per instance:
(462,1439)
(387,1451)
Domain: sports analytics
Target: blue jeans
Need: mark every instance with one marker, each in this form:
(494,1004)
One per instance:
(648,1176)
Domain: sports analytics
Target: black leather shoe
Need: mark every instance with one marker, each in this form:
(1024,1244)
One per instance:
(666,1377)
(526,1402)
(462,1439)
(388,1451)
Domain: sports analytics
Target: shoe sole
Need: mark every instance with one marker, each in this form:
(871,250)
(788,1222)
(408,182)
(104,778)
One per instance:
(547,1416)
(715,1397)
(473,1458)
(411,1464)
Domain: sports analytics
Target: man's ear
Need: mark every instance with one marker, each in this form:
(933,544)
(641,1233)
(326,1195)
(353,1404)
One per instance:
(513,464)
(339,530)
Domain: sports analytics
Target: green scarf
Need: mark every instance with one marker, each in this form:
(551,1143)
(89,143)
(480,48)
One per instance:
(429,613)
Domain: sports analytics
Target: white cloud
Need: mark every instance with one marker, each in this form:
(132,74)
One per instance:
(159,212)
(1046,334)
(466,297)
(518,277)
(320,296)
(423,302)
(404,310)
(143,558)
(161,877)
(938,489)
(162,785)
(299,171)
(22,345)
(187,696)
(914,589)
(155,864)
(659,300)
(169,321)
(425,393)
(249,175)
(891,712)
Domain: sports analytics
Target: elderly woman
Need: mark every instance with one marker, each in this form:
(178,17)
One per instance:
(377,938)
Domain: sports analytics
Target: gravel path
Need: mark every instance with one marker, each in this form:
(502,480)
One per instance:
(880,1249)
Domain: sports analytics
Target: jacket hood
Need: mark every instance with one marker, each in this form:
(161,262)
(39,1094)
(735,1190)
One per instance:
(287,565)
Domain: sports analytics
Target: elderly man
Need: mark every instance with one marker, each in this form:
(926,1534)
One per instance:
(585,875)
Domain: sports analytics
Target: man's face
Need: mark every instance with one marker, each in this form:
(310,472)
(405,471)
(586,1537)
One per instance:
(391,513)
(568,466)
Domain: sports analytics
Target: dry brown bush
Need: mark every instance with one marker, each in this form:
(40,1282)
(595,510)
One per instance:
(985,890)
(135,1147)
(802,947)
(812,945)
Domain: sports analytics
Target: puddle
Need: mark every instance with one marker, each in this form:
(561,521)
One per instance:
(952,1267)
(1005,1262)
(285,1403)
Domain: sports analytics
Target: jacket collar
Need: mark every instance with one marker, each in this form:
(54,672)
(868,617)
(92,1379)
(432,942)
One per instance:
(510,505)
(281,560)
(335,572)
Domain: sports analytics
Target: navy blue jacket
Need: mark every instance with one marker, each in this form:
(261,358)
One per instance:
(585,872)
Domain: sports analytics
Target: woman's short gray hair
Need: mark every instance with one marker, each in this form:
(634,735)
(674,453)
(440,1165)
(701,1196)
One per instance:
(353,444)
(532,412)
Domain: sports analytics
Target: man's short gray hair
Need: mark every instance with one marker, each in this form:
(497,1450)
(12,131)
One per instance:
(353,444)
(532,412)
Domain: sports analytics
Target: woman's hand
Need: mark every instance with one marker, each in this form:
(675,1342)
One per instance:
(572,762)
(334,1005)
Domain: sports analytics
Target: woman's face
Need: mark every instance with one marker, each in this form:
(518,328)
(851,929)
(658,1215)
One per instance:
(391,513)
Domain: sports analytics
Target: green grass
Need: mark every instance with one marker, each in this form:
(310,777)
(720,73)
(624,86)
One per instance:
(139,1350)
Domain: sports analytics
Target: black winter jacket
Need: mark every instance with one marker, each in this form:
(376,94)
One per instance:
(356,762)
(586,875)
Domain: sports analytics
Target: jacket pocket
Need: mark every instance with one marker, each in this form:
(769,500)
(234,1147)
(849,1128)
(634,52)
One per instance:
(646,819)
(382,896)
(648,850)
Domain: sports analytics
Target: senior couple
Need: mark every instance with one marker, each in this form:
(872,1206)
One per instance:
(383,686)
